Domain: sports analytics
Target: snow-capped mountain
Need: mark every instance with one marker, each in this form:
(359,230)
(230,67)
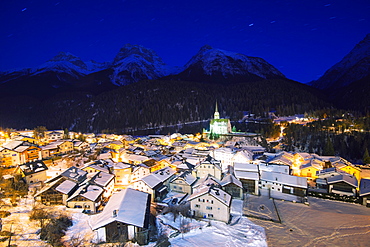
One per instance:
(134,63)
(67,72)
(70,64)
(215,65)
(353,67)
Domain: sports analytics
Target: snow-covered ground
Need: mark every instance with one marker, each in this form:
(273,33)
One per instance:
(240,232)
(322,223)
(24,230)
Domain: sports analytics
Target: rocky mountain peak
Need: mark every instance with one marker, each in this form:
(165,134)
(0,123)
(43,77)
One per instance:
(229,64)
(354,66)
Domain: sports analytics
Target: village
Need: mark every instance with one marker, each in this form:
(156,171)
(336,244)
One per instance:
(125,184)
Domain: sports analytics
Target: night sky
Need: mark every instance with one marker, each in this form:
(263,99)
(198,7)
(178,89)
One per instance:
(301,38)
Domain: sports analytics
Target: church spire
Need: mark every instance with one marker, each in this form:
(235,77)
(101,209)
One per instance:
(217,114)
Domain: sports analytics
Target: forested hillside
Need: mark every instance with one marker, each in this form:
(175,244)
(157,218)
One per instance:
(158,103)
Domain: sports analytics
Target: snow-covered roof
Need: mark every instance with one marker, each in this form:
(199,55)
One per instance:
(99,165)
(231,179)
(88,191)
(365,187)
(284,179)
(247,175)
(186,176)
(48,186)
(284,158)
(66,187)
(21,148)
(103,179)
(33,167)
(128,206)
(207,181)
(157,177)
(217,193)
(274,168)
(245,167)
(12,144)
(135,157)
(121,165)
(74,173)
(104,156)
(343,177)
(314,163)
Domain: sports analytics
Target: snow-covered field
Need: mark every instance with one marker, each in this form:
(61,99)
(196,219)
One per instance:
(322,223)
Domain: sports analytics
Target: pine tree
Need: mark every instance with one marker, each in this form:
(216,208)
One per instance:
(366,158)
(329,149)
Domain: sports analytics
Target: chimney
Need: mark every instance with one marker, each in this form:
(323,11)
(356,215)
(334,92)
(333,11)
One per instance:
(115,213)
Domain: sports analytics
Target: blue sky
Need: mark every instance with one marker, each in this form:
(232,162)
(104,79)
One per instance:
(301,38)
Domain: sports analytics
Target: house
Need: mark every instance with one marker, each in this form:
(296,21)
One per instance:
(207,181)
(18,152)
(365,192)
(80,145)
(243,156)
(133,159)
(310,168)
(284,186)
(211,203)
(54,135)
(343,184)
(57,147)
(98,165)
(75,187)
(56,192)
(208,166)
(156,183)
(139,171)
(248,174)
(104,180)
(182,182)
(58,189)
(225,156)
(233,186)
(122,171)
(33,172)
(124,218)
(87,196)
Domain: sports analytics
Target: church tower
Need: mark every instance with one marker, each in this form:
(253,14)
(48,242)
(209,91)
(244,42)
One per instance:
(217,114)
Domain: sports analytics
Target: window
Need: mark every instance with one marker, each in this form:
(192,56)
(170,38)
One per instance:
(210,215)
(197,205)
(211,201)
(198,199)
(209,208)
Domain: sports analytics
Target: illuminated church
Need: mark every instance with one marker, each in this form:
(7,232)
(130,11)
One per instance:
(219,126)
